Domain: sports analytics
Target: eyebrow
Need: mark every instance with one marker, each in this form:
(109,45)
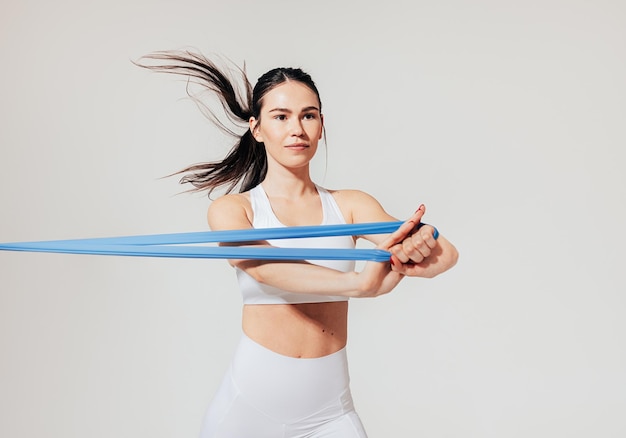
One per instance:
(287,110)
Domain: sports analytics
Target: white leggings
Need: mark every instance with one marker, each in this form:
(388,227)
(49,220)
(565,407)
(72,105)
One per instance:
(265,394)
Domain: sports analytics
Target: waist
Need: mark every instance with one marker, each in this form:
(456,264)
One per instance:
(298,330)
(290,390)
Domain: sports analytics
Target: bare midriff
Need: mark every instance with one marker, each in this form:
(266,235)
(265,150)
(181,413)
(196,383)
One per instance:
(298,330)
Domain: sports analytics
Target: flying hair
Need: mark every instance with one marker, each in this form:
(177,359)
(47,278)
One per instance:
(245,165)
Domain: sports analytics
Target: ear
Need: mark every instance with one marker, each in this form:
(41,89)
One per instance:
(254,129)
(322,127)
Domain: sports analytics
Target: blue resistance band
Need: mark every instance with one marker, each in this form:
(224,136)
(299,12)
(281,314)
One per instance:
(172,245)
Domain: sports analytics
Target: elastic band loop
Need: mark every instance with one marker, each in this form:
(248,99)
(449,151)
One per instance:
(169,245)
(247,235)
(208,252)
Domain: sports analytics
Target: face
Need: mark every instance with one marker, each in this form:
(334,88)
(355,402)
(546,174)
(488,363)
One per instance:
(290,125)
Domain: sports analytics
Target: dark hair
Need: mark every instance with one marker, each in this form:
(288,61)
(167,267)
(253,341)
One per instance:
(246,163)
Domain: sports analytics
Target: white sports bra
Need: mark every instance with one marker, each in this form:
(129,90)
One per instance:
(254,292)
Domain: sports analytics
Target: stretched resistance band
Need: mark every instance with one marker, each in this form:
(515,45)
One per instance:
(176,245)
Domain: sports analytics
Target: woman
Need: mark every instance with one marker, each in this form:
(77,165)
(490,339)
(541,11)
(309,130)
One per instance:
(289,376)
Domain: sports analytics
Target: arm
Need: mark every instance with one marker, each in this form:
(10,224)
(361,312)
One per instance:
(416,255)
(234,212)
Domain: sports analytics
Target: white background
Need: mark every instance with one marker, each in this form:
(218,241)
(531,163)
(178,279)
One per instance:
(506,118)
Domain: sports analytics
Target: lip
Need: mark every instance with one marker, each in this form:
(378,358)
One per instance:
(297,146)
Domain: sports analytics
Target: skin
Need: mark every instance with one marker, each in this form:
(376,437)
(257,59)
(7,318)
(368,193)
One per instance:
(290,125)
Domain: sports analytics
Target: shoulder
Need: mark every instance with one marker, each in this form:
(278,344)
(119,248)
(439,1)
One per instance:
(232,211)
(353,197)
(359,206)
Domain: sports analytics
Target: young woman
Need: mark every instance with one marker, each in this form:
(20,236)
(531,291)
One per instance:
(289,376)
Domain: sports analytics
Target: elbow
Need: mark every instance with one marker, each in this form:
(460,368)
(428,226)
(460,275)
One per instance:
(251,267)
(257,274)
(451,259)
(454,257)
(445,262)
(450,256)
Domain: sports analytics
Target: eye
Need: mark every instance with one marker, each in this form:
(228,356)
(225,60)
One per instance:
(280,117)
(310,116)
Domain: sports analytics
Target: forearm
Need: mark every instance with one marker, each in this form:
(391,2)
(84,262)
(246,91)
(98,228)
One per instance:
(303,277)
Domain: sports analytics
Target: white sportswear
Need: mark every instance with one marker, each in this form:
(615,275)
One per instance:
(254,292)
(268,395)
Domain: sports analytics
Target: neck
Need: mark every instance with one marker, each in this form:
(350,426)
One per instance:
(288,183)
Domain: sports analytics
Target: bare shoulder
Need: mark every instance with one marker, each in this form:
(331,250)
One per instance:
(360,206)
(352,195)
(232,211)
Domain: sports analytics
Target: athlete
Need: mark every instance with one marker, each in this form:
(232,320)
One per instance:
(289,376)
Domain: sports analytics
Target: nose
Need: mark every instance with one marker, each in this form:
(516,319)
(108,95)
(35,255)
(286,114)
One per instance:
(296,128)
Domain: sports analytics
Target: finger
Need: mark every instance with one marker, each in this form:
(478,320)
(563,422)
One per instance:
(400,268)
(423,250)
(419,213)
(434,230)
(428,236)
(415,248)
(403,230)
(428,242)
(397,236)
(399,254)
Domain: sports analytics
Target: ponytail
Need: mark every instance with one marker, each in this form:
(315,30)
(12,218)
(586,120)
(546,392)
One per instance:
(246,163)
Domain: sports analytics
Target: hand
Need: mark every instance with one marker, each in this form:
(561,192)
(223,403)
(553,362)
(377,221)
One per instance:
(415,254)
(378,278)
